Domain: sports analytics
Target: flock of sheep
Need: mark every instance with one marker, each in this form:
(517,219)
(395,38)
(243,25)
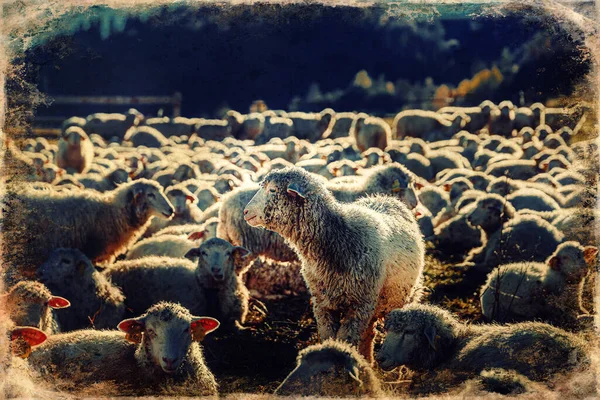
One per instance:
(132,238)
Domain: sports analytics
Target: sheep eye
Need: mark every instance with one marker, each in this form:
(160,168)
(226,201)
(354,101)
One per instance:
(272,190)
(203,253)
(151,195)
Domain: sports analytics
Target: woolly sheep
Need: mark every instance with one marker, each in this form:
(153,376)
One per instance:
(185,210)
(551,291)
(374,157)
(96,301)
(456,236)
(30,303)
(515,169)
(369,132)
(509,238)
(532,199)
(212,129)
(173,246)
(501,381)
(342,125)
(479,115)
(177,126)
(102,226)
(270,279)
(146,136)
(105,183)
(275,127)
(112,125)
(331,368)
(75,151)
(295,204)
(312,126)
(416,163)
(159,352)
(427,124)
(502,119)
(425,337)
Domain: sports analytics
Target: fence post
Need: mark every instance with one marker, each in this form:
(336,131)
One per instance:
(177,104)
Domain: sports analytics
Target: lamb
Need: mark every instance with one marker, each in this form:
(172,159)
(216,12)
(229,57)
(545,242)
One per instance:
(212,129)
(551,291)
(38,222)
(146,136)
(30,303)
(212,287)
(298,206)
(96,301)
(235,230)
(312,127)
(509,238)
(427,125)
(425,337)
(160,352)
(331,368)
(112,125)
(185,210)
(369,132)
(75,151)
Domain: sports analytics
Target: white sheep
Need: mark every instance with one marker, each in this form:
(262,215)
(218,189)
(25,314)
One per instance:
(551,291)
(75,151)
(427,125)
(102,226)
(146,136)
(165,245)
(374,264)
(159,353)
(312,126)
(112,125)
(369,132)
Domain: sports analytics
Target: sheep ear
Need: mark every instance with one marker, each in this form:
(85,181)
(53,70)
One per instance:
(193,253)
(58,302)
(553,263)
(430,335)
(195,236)
(202,326)
(418,185)
(447,187)
(589,254)
(133,327)
(192,199)
(32,336)
(294,190)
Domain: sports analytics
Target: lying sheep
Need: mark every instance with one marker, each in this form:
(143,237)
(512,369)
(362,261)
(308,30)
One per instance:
(105,183)
(515,169)
(331,368)
(112,125)
(501,381)
(30,303)
(509,238)
(532,199)
(424,337)
(173,246)
(96,301)
(160,352)
(456,236)
(369,132)
(102,226)
(551,291)
(206,230)
(367,284)
(271,279)
(75,151)
(213,286)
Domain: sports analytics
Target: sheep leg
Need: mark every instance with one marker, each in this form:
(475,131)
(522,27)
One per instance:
(327,323)
(357,329)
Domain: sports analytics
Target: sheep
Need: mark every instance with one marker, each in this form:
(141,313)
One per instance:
(177,126)
(532,199)
(146,136)
(102,226)
(298,206)
(515,169)
(370,132)
(72,121)
(235,230)
(577,225)
(424,337)
(344,168)
(75,151)
(551,290)
(456,236)
(374,157)
(331,368)
(342,125)
(173,246)
(434,198)
(206,229)
(427,124)
(416,163)
(275,127)
(479,115)
(312,126)
(112,125)
(96,301)
(105,183)
(501,381)
(212,129)
(30,303)
(185,210)
(159,351)
(509,238)
(502,119)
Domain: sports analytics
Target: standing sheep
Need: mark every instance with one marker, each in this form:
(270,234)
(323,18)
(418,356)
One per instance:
(330,369)
(312,126)
(75,151)
(551,291)
(359,260)
(369,132)
(96,301)
(102,226)
(424,337)
(160,351)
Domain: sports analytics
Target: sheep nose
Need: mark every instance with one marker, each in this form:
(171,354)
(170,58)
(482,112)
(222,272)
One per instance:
(246,211)
(169,361)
